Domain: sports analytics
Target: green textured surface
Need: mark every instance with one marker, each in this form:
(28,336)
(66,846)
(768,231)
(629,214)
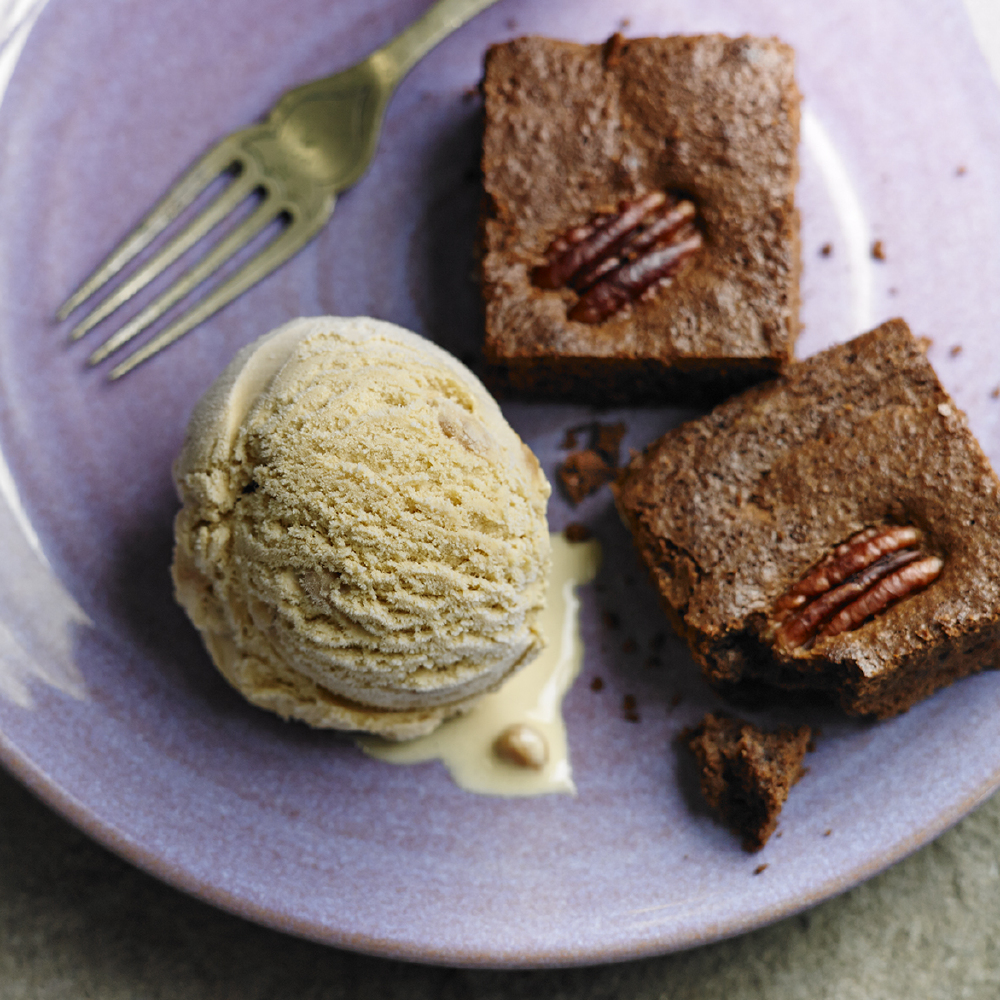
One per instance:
(77,922)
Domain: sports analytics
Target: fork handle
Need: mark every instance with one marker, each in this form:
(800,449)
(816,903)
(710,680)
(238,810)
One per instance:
(420,37)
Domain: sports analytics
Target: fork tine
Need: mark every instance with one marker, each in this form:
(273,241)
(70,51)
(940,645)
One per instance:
(227,200)
(188,187)
(300,232)
(188,282)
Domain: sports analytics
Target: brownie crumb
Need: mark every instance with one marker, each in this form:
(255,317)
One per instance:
(826,249)
(607,441)
(960,171)
(956,351)
(759,868)
(995,394)
(878,250)
(577,532)
(827,833)
(746,773)
(597,684)
(569,441)
(610,620)
(511,24)
(613,49)
(893,291)
(584,472)
(629,708)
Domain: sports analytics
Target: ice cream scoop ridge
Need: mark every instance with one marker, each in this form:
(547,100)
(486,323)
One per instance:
(362,542)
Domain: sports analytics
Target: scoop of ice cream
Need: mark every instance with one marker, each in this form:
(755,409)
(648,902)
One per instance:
(362,542)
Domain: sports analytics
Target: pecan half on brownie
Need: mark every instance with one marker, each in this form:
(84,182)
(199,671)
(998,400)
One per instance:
(620,257)
(836,529)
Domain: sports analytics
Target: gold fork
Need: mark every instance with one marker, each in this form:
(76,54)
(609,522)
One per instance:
(315,142)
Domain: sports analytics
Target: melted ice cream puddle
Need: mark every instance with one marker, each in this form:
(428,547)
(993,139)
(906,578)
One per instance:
(533,695)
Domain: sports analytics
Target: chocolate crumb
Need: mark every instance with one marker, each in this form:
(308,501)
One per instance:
(625,22)
(597,684)
(956,351)
(629,646)
(960,170)
(632,717)
(613,49)
(826,249)
(747,772)
(878,250)
(511,24)
(827,833)
(610,619)
(759,868)
(607,440)
(628,703)
(577,532)
(569,441)
(583,473)
(995,394)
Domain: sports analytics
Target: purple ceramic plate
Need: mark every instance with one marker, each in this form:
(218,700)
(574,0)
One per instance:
(110,710)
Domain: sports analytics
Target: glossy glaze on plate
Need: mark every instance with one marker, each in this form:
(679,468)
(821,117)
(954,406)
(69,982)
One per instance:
(109,707)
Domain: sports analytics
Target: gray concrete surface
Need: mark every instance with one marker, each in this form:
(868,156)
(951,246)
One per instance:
(77,922)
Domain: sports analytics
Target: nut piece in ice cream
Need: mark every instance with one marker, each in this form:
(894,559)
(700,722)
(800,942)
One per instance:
(362,542)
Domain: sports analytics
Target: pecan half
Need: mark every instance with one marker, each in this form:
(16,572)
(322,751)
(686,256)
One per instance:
(615,259)
(861,578)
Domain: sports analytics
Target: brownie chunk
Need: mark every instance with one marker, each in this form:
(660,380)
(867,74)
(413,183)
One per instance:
(574,135)
(746,773)
(582,473)
(836,529)
(585,471)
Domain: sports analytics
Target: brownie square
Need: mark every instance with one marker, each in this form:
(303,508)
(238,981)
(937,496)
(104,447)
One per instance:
(573,130)
(746,772)
(836,529)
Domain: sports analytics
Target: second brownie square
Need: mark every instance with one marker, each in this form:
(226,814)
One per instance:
(578,136)
(836,529)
